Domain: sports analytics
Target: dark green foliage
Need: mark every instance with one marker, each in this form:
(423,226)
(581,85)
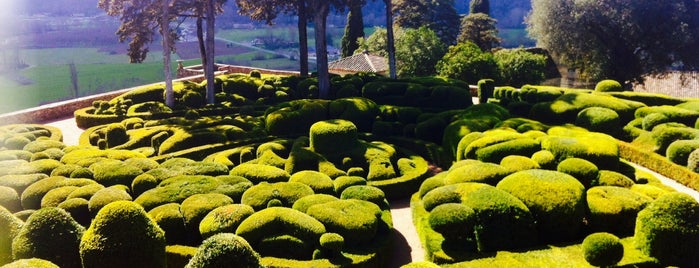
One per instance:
(78,209)
(556,201)
(355,220)
(295,117)
(290,226)
(10,226)
(110,173)
(614,209)
(665,134)
(169,217)
(123,235)
(479,6)
(366,193)
(668,230)
(223,250)
(584,171)
(224,219)
(33,263)
(50,234)
(653,119)
(360,111)
(482,172)
(608,86)
(599,119)
(465,61)
(519,67)
(486,87)
(678,151)
(9,199)
(419,48)
(257,173)
(261,194)
(32,195)
(674,114)
(115,135)
(333,136)
(196,207)
(431,130)
(602,249)
(453,221)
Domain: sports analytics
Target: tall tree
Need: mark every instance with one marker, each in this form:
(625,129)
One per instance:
(140,19)
(390,40)
(418,51)
(438,15)
(320,10)
(618,39)
(480,6)
(354,28)
(268,10)
(480,29)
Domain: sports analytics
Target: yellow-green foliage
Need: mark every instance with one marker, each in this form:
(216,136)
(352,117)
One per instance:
(298,232)
(357,221)
(673,114)
(608,86)
(261,194)
(179,255)
(43,145)
(599,119)
(10,226)
(319,182)
(257,173)
(182,139)
(32,195)
(602,249)
(33,262)
(556,201)
(105,196)
(86,191)
(78,209)
(585,171)
(224,219)
(668,229)
(9,199)
(333,136)
(223,250)
(600,149)
(613,178)
(614,209)
(496,144)
(177,189)
(307,201)
(678,151)
(514,163)
(56,196)
(21,167)
(566,107)
(86,156)
(50,234)
(420,264)
(454,221)
(504,222)
(184,166)
(114,172)
(366,193)
(522,124)
(295,117)
(195,208)
(545,159)
(169,217)
(648,190)
(482,172)
(123,235)
(360,111)
(432,183)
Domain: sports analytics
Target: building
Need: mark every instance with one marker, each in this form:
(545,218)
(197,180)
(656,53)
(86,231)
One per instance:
(357,63)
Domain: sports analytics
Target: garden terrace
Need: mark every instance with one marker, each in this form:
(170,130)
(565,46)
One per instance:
(270,168)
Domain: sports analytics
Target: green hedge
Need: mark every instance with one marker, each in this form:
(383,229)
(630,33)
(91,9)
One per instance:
(259,196)
(614,209)
(602,249)
(196,207)
(224,249)
(357,221)
(50,234)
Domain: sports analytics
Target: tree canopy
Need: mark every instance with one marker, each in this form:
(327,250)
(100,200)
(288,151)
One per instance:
(438,15)
(622,40)
(480,29)
(354,28)
(479,6)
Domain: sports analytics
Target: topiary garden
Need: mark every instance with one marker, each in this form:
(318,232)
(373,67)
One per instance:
(269,176)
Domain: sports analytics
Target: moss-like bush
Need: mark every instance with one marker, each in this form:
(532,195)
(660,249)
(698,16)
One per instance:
(482,172)
(608,86)
(333,136)
(566,107)
(33,263)
(664,135)
(556,201)
(32,195)
(123,235)
(21,182)
(366,193)
(56,196)
(613,209)
(602,249)
(514,163)
(360,111)
(257,173)
(678,151)
(355,220)
(223,250)
(545,159)
(601,150)
(310,200)
(673,113)
(431,183)
(169,218)
(295,231)
(343,182)
(224,219)
(50,234)
(453,221)
(431,129)
(319,182)
(78,209)
(693,161)
(9,199)
(295,117)
(652,120)
(10,226)
(599,119)
(420,264)
(668,230)
(86,191)
(105,196)
(653,192)
(260,195)
(613,178)
(197,206)
(176,190)
(585,171)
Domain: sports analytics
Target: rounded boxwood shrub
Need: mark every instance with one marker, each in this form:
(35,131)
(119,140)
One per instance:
(355,220)
(307,201)
(9,199)
(224,219)
(50,234)
(114,172)
(431,183)
(333,136)
(78,209)
(319,182)
(123,235)
(170,219)
(343,182)
(420,264)
(360,111)
(10,226)
(693,161)
(602,249)
(599,119)
(608,85)
(678,151)
(585,171)
(105,196)
(275,230)
(666,134)
(258,173)
(614,209)
(648,190)
(288,193)
(295,117)
(56,196)
(668,230)
(176,190)
(197,206)
(224,250)
(651,120)
(86,191)
(556,200)
(32,195)
(482,172)
(453,221)
(613,178)
(33,263)
(545,159)
(366,193)
(514,163)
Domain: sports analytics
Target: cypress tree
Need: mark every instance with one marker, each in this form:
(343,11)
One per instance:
(354,28)
(480,6)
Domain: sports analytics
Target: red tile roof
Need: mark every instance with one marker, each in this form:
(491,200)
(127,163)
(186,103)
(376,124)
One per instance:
(361,62)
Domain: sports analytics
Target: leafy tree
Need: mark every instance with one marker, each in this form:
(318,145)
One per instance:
(418,51)
(467,62)
(480,29)
(519,67)
(622,40)
(390,47)
(354,28)
(438,15)
(479,6)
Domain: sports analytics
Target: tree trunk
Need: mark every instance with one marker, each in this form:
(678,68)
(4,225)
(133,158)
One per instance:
(391,48)
(321,15)
(165,32)
(210,67)
(303,38)
(200,38)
